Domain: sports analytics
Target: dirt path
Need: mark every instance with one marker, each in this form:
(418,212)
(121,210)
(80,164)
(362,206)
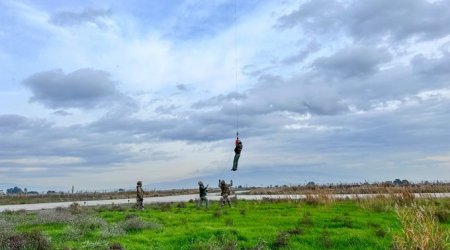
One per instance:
(186,198)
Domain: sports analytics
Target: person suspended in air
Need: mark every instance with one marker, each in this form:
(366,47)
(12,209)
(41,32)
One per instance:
(237,153)
(225,192)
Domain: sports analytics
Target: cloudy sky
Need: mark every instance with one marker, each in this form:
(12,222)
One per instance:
(99,94)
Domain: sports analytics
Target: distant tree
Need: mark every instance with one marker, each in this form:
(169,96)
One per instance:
(51,192)
(15,190)
(121,190)
(397,182)
(311,184)
(405,182)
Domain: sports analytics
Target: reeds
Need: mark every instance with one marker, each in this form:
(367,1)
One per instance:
(420,230)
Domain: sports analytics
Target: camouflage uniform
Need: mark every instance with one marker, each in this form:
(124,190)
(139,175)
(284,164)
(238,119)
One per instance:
(139,196)
(203,192)
(237,151)
(225,192)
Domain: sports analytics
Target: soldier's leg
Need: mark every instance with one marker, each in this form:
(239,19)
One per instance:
(229,202)
(235,161)
(207,202)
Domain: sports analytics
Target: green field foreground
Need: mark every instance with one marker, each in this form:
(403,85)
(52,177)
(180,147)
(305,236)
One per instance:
(269,224)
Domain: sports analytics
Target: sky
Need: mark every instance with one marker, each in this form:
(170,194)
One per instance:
(100,94)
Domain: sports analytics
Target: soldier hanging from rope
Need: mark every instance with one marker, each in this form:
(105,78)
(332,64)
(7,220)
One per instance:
(225,192)
(237,151)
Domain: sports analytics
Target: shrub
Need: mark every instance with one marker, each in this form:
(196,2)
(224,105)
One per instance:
(181,205)
(442,214)
(75,208)
(116,246)
(420,230)
(380,233)
(137,224)
(27,240)
(295,231)
(379,203)
(282,240)
(5,225)
(50,216)
(164,207)
(326,240)
(343,221)
(113,230)
(217,242)
(306,220)
(261,245)
(98,244)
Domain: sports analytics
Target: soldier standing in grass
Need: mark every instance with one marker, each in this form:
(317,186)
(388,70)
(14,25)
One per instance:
(139,196)
(203,191)
(225,192)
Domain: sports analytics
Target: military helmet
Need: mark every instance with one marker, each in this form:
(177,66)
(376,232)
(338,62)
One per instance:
(139,183)
(200,183)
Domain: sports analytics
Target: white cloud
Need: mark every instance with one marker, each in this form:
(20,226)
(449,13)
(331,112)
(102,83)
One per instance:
(43,161)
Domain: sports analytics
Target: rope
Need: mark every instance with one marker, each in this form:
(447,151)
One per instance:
(236,67)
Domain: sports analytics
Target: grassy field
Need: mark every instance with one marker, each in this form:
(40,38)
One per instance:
(309,224)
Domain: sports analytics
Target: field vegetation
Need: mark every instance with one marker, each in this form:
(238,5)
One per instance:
(317,222)
(390,188)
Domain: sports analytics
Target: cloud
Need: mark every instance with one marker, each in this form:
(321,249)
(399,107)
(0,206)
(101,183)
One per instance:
(11,123)
(61,113)
(353,62)
(85,88)
(219,100)
(301,55)
(69,18)
(373,19)
(432,67)
(182,87)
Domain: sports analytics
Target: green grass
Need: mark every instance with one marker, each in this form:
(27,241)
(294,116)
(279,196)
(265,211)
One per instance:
(247,225)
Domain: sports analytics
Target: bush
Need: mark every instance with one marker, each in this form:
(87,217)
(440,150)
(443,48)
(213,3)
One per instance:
(27,240)
(75,208)
(442,214)
(218,242)
(282,240)
(326,240)
(137,224)
(181,205)
(116,246)
(113,230)
(306,220)
(57,216)
(261,245)
(420,230)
